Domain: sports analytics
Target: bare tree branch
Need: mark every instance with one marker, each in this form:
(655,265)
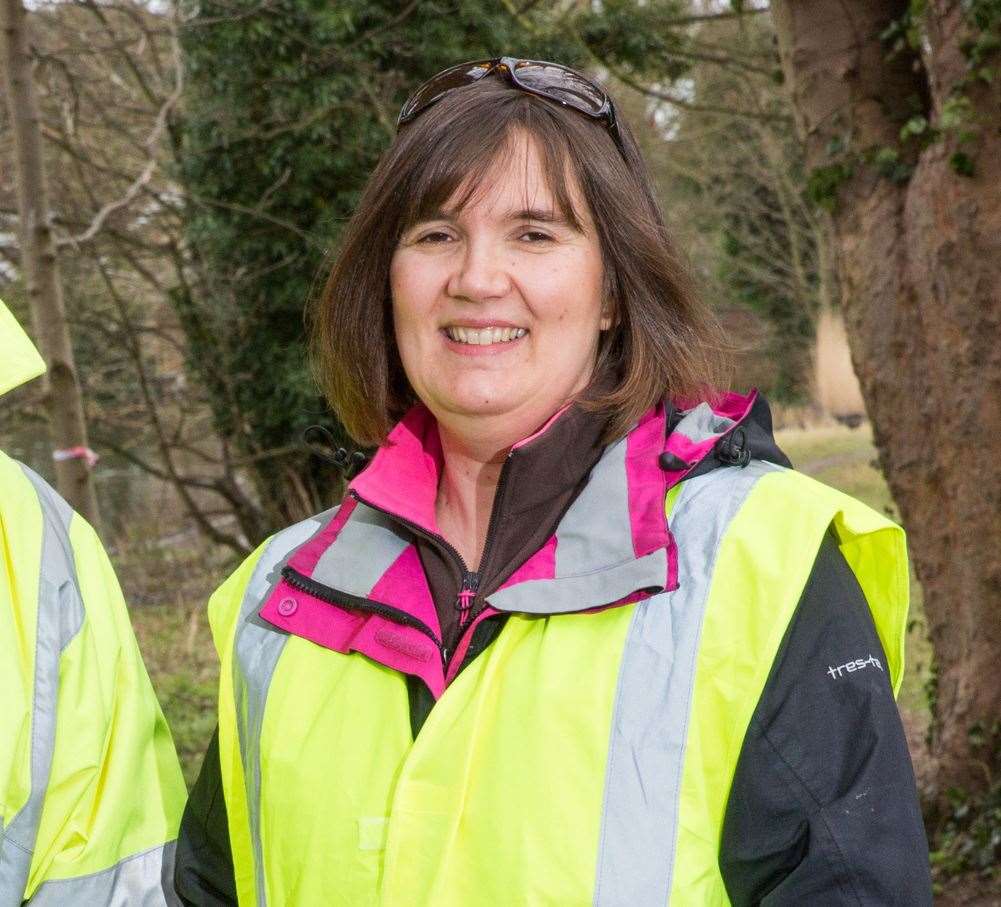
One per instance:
(152,147)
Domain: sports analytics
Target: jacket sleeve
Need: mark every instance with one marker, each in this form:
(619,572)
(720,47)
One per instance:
(203,874)
(823,808)
(114,795)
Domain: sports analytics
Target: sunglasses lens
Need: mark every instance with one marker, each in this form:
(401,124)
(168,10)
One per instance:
(550,80)
(434,88)
(561,84)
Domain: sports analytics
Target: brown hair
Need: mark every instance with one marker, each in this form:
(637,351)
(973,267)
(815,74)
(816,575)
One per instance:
(664,342)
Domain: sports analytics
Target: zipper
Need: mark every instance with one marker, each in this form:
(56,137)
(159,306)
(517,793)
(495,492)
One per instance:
(464,600)
(470,580)
(494,511)
(357,603)
(431,536)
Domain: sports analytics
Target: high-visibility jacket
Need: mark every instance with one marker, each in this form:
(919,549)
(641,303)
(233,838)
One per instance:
(91,792)
(585,757)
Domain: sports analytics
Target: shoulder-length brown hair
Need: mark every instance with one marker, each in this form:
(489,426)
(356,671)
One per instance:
(664,341)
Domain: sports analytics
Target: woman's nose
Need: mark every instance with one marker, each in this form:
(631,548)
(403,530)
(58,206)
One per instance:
(480,273)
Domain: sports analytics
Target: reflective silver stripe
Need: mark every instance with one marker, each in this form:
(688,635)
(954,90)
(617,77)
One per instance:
(143,880)
(650,718)
(589,590)
(59,619)
(596,531)
(595,560)
(58,562)
(257,647)
(363,551)
(15,862)
(702,423)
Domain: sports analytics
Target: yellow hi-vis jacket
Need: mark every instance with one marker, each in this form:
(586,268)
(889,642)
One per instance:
(90,788)
(585,757)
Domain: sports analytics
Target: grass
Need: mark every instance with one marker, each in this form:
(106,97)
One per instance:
(176,643)
(181,660)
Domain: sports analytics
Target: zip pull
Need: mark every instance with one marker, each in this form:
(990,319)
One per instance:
(464,600)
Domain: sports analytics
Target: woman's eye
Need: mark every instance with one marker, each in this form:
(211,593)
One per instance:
(535,236)
(435,236)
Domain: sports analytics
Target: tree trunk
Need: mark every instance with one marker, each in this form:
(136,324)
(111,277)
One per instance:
(919,261)
(41,268)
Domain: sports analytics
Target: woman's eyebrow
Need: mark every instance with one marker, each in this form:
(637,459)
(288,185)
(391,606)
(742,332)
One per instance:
(542,215)
(515,215)
(436,214)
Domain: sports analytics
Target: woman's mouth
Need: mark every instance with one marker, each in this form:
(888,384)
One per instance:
(484,336)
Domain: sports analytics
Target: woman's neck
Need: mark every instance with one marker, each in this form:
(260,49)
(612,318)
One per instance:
(470,473)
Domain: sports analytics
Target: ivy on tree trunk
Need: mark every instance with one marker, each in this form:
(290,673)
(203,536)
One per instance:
(900,111)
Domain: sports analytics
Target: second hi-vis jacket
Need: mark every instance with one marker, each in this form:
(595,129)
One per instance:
(90,788)
(589,754)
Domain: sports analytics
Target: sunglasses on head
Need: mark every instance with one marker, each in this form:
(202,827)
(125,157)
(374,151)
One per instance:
(551,81)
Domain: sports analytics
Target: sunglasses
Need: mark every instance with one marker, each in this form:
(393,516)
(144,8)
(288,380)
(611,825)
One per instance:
(551,81)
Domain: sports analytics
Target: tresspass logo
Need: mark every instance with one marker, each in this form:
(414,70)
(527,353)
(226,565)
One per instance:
(857,665)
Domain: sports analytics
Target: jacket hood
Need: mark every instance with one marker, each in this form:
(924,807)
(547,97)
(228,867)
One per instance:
(20,361)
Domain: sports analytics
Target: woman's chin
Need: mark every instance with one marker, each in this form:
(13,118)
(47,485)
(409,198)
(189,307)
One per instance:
(479,400)
(474,406)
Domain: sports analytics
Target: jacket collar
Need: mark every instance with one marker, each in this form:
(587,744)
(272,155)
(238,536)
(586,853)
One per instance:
(358,584)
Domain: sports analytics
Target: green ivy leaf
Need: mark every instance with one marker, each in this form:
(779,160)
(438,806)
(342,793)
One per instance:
(824,183)
(916,125)
(961,163)
(889,165)
(957,111)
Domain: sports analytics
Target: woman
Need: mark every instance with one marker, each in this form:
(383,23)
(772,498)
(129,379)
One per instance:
(575,635)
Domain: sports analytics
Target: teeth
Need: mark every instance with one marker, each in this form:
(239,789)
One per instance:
(484,336)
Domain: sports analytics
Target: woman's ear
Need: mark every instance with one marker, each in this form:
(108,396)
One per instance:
(608,318)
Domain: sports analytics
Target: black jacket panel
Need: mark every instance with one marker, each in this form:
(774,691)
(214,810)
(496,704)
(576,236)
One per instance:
(203,867)
(823,807)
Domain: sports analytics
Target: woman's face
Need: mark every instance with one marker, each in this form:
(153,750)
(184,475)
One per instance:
(497,308)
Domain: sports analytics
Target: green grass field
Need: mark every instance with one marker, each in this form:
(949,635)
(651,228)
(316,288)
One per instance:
(177,646)
(181,660)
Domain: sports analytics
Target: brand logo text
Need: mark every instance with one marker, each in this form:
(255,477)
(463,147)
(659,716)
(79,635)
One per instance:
(857,665)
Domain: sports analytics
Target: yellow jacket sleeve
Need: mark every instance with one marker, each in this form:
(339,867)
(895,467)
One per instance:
(101,784)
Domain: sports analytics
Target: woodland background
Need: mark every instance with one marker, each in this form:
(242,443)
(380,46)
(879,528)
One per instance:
(174,174)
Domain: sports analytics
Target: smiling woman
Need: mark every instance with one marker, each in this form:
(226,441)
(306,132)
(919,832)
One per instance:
(535,174)
(566,639)
(498,307)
